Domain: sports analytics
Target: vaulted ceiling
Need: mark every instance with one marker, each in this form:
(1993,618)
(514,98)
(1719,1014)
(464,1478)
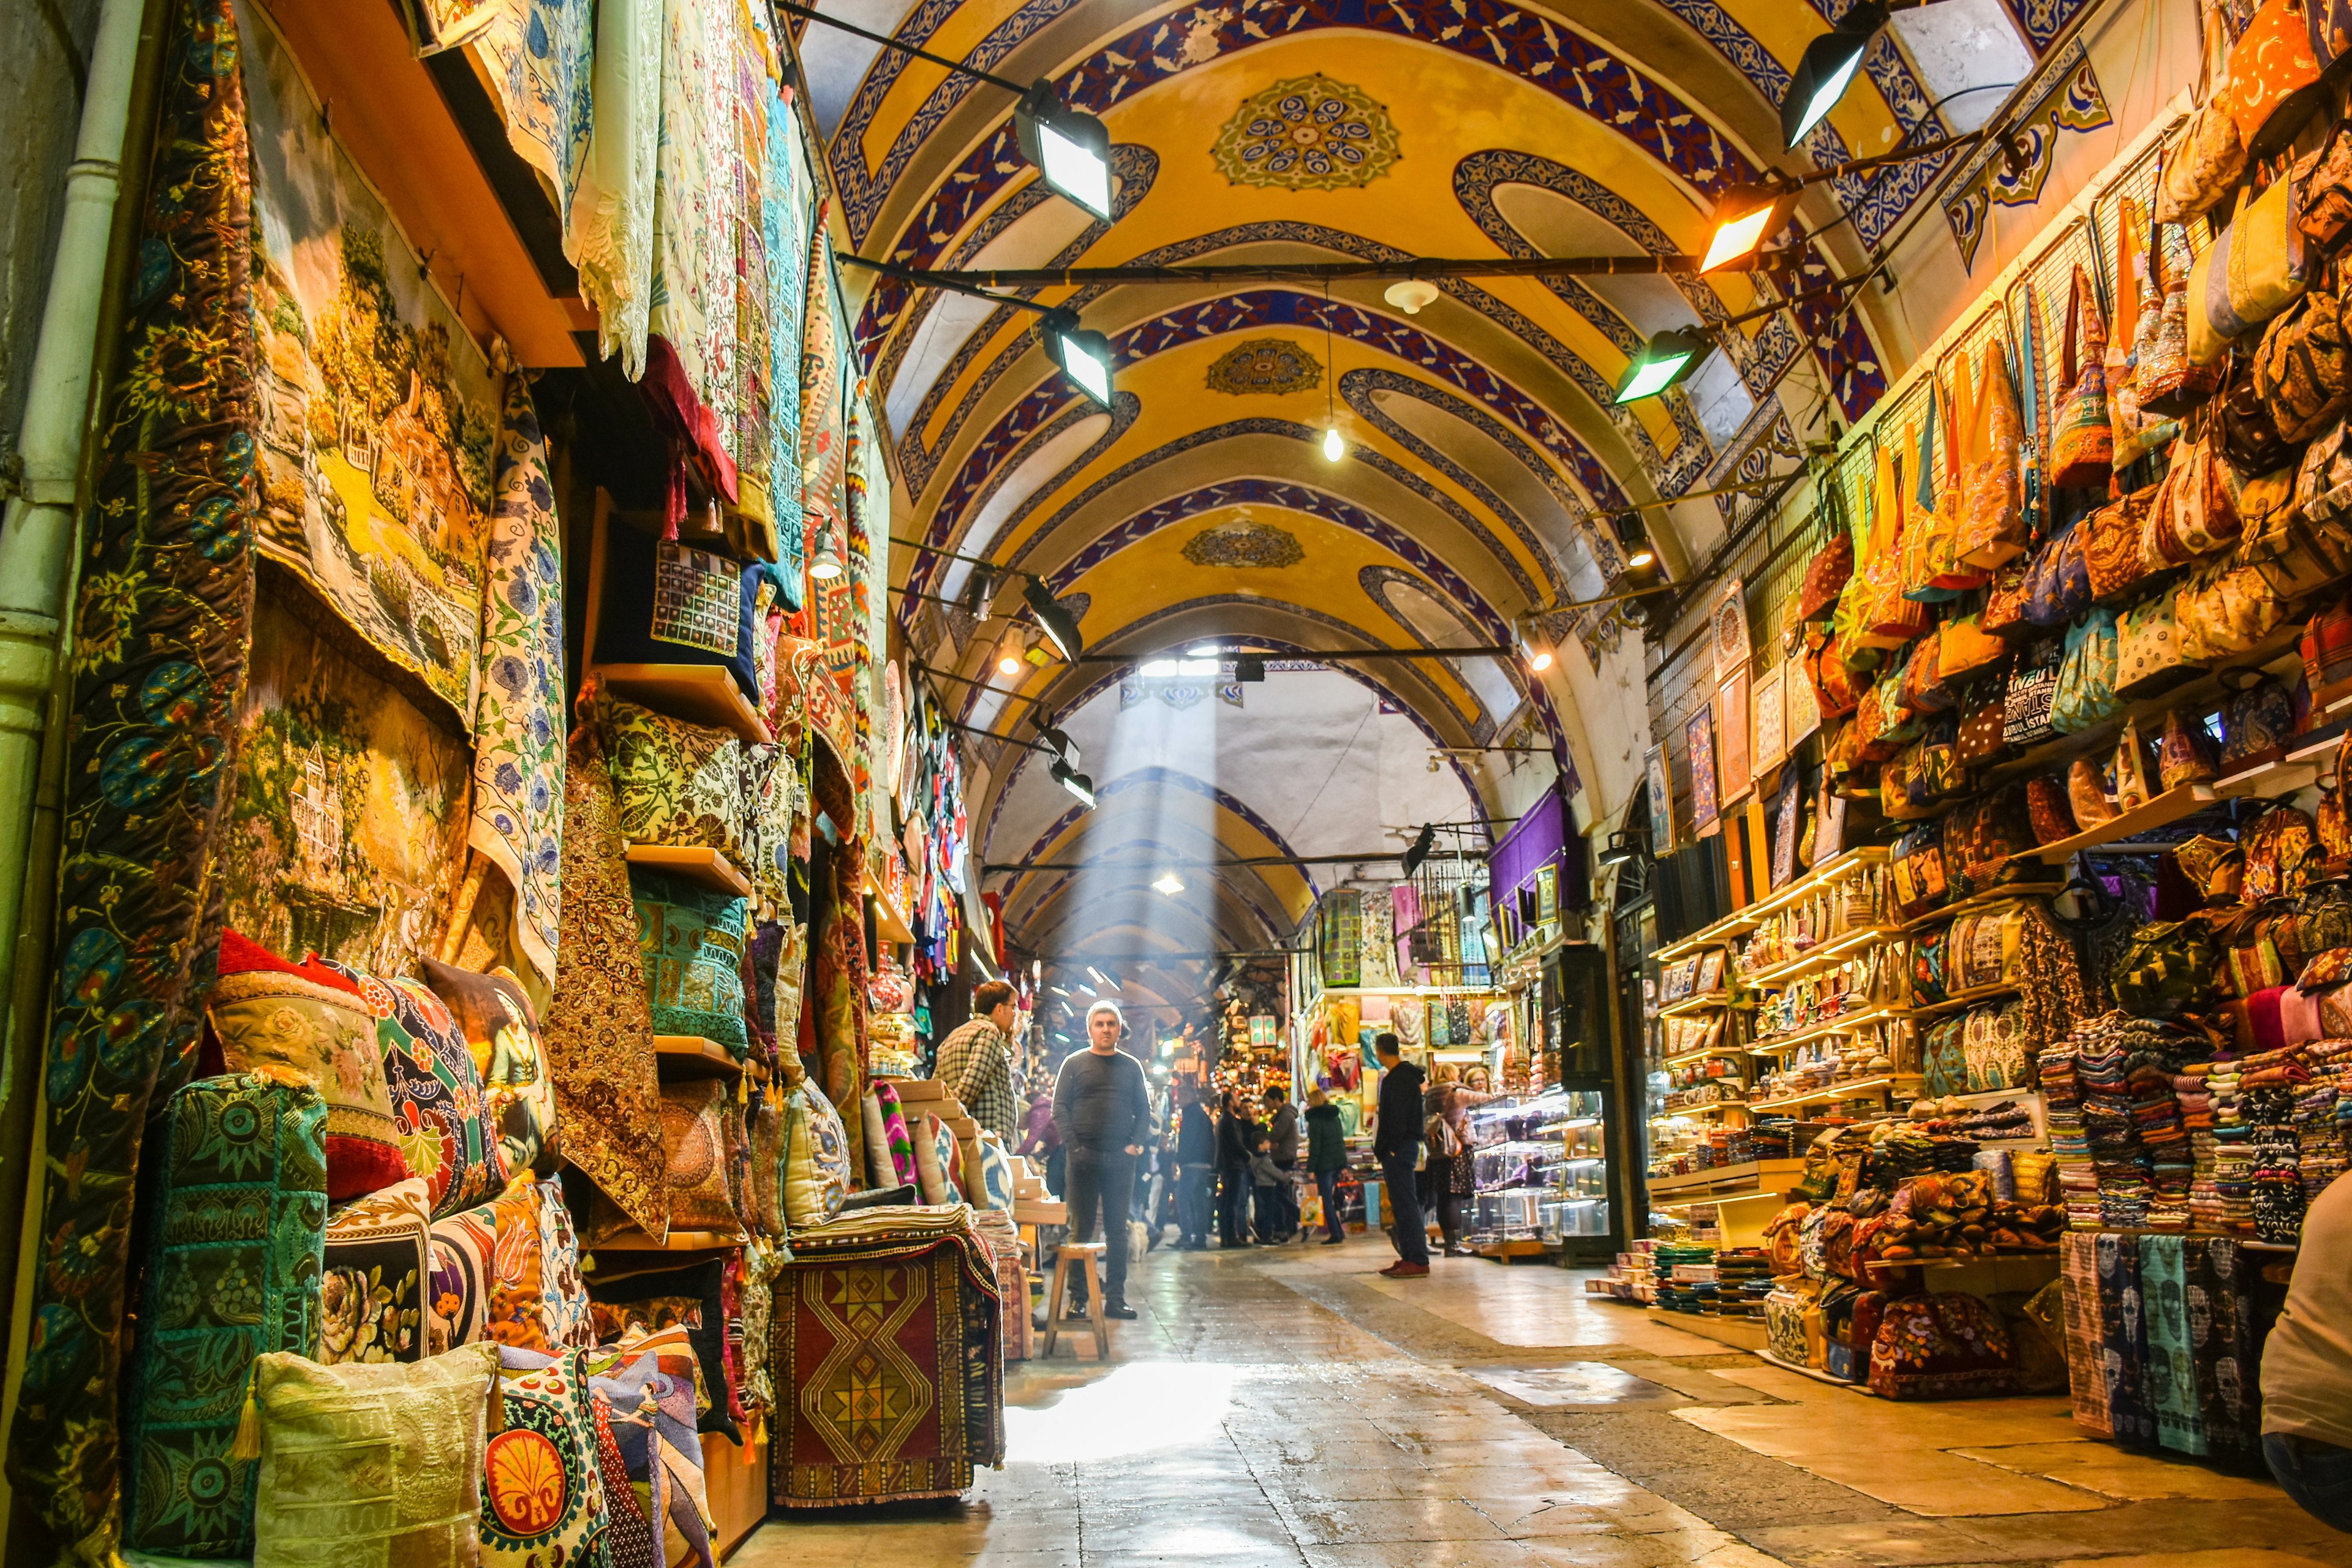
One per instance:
(1481,441)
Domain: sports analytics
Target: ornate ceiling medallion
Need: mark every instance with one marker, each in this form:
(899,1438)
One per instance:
(1264,365)
(1309,133)
(1245,541)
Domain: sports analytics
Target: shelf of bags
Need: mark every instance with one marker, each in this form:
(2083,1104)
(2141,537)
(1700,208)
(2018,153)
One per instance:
(1841,1025)
(691,1055)
(694,864)
(2008,893)
(1848,1089)
(2168,807)
(1694,1004)
(635,1240)
(699,693)
(1828,953)
(1961,1001)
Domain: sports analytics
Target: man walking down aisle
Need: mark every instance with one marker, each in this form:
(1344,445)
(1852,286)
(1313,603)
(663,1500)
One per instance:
(1282,1148)
(1102,1109)
(1396,1144)
(975,1062)
(1327,1156)
(1196,1167)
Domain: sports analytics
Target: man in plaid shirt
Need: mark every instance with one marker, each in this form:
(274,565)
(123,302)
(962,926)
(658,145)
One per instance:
(975,1062)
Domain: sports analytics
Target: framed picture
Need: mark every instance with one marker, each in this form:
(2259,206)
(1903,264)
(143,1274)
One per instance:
(1787,808)
(1769,725)
(1829,822)
(1699,734)
(1727,628)
(1661,803)
(1801,704)
(1734,762)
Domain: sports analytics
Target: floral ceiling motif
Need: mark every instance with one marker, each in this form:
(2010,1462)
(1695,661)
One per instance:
(1244,543)
(1264,365)
(1309,133)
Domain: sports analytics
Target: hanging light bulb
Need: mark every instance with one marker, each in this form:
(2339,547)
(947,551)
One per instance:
(1335,447)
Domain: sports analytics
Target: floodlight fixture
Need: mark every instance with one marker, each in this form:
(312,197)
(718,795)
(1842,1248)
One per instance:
(1077,782)
(1084,356)
(1745,217)
(1827,70)
(1070,148)
(1667,360)
(1054,617)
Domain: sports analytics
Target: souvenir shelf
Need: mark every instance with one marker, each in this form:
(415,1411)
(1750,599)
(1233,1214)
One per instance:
(691,1055)
(1850,1024)
(2168,807)
(1852,1089)
(1703,1108)
(695,864)
(1961,1001)
(2007,893)
(1840,948)
(700,694)
(1696,1004)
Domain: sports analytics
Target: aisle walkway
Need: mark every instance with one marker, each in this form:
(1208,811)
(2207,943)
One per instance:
(1287,1406)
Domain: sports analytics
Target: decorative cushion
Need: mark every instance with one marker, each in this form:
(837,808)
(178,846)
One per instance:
(437,1101)
(239,1217)
(692,938)
(816,1157)
(367,1465)
(1943,1345)
(881,1169)
(674,784)
(306,1019)
(543,1497)
(655,1300)
(656,1392)
(763,1201)
(931,1176)
(372,1297)
(493,1015)
(509,1271)
(995,1173)
(670,604)
(899,1137)
(695,1131)
(629,1539)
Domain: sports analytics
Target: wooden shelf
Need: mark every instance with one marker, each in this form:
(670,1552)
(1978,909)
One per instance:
(1747,1175)
(633,1240)
(1827,1028)
(2008,892)
(691,1055)
(699,693)
(1961,1001)
(1837,950)
(694,864)
(1745,920)
(1694,1004)
(1685,1059)
(2168,807)
(1849,1090)
(1701,1110)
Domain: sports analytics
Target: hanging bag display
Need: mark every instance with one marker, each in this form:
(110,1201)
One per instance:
(2323,197)
(1826,578)
(2254,270)
(2139,306)
(2302,371)
(2058,588)
(2203,164)
(1994,527)
(1932,570)
(2148,650)
(2082,445)
(2032,685)
(2270,64)
(2185,754)
(2086,680)
(2203,517)
(1890,620)
(2114,553)
(2170,382)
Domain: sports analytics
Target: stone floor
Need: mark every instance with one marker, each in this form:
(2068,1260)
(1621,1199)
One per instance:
(1287,1405)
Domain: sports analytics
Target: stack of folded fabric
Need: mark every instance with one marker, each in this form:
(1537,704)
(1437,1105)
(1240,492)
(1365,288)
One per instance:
(2156,1119)
(2278,1161)
(2321,1110)
(2078,1181)
(2006,1122)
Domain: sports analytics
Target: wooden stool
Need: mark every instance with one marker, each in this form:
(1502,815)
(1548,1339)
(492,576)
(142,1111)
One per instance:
(1087,1256)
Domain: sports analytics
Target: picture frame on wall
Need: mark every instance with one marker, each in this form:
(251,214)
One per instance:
(1733,760)
(1698,734)
(1661,803)
(1770,724)
(1787,808)
(1726,620)
(1801,705)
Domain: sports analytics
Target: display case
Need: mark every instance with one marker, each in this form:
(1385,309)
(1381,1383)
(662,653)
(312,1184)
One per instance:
(1540,1169)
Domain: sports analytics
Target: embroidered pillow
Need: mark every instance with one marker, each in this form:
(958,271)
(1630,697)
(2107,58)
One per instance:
(629,1538)
(898,1134)
(656,1392)
(763,1205)
(693,938)
(238,1219)
(816,1158)
(306,1019)
(656,1299)
(673,783)
(995,1173)
(509,1271)
(931,1176)
(950,1157)
(372,1296)
(501,1033)
(437,1102)
(372,1464)
(694,1132)
(542,1498)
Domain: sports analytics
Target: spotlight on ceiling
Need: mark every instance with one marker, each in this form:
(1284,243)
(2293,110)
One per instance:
(825,564)
(1745,217)
(1060,626)
(1335,445)
(1635,541)
(1534,647)
(1085,357)
(1250,666)
(980,592)
(1419,848)
(1666,360)
(1827,70)
(1077,782)
(1411,295)
(1069,147)
(1170,883)
(1623,845)
(1063,748)
(1010,661)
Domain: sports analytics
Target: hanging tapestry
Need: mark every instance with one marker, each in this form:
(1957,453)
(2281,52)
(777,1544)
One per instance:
(348,809)
(240,1232)
(158,659)
(599,1028)
(2226,1338)
(870,561)
(519,724)
(695,202)
(823,440)
(609,234)
(748,88)
(1342,933)
(538,56)
(840,1001)
(887,1324)
(379,413)
(786,201)
(437,25)
(2172,1352)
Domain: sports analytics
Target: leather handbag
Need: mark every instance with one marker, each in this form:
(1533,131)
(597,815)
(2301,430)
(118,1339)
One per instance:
(2140,309)
(2082,444)
(2168,381)
(2202,165)
(2292,557)
(2202,517)
(2323,181)
(2086,680)
(2303,372)
(2113,553)
(2224,610)
(2323,481)
(1993,528)
(2059,587)
(2333,822)
(2242,427)
(2270,64)
(2254,270)
(2148,650)
(2328,646)
(2185,753)
(2086,795)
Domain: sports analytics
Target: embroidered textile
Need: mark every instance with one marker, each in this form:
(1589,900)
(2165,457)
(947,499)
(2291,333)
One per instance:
(378,412)
(840,1011)
(693,939)
(443,1117)
(687,1301)
(538,52)
(600,1035)
(673,783)
(693,302)
(372,1295)
(492,1011)
(784,220)
(517,818)
(543,1497)
(629,1538)
(698,1123)
(610,233)
(161,623)
(240,1226)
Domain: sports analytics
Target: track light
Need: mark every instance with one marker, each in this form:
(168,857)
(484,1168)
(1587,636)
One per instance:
(1665,361)
(1635,542)
(1623,845)
(1009,663)
(1827,70)
(1077,782)
(1534,650)
(1334,447)
(1063,748)
(825,564)
(1060,626)
(1419,848)
(1085,357)
(979,594)
(1745,217)
(1069,147)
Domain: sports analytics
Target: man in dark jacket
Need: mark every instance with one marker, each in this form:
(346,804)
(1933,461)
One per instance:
(1236,1141)
(1327,1156)
(1396,1142)
(1282,1148)
(1103,1109)
(1196,1168)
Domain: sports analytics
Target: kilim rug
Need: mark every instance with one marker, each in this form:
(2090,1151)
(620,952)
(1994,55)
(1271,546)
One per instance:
(887,1354)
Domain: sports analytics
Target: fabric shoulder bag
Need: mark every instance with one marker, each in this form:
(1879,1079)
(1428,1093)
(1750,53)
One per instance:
(2082,442)
(1994,527)
(2086,680)
(2254,270)
(2170,382)
(2139,308)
